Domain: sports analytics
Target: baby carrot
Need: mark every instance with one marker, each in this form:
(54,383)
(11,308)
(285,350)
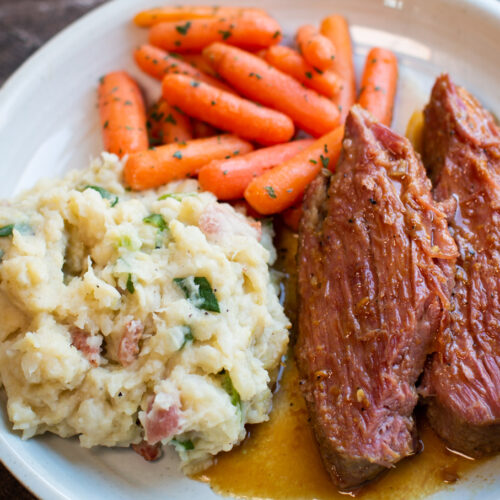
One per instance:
(316,49)
(158,63)
(336,29)
(202,129)
(227,111)
(378,84)
(292,63)
(291,217)
(157,166)
(248,31)
(227,179)
(122,113)
(254,78)
(167,125)
(148,18)
(279,188)
(200,63)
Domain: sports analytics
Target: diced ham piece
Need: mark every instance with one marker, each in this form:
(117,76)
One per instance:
(129,343)
(220,220)
(89,345)
(161,423)
(149,452)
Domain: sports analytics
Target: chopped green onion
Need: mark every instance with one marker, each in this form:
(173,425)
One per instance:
(156,220)
(185,445)
(113,199)
(188,335)
(175,196)
(22,227)
(227,385)
(6,230)
(130,284)
(199,292)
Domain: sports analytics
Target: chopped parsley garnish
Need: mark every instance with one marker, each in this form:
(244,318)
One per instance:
(199,292)
(314,162)
(213,103)
(185,445)
(177,155)
(130,284)
(2,253)
(128,103)
(256,75)
(183,28)
(270,191)
(225,34)
(276,34)
(106,124)
(156,220)
(309,74)
(188,335)
(227,385)
(324,161)
(113,198)
(170,119)
(194,83)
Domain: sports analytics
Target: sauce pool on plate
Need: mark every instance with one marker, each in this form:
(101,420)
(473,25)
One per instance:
(279,459)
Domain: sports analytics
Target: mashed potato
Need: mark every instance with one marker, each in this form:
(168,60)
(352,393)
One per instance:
(136,318)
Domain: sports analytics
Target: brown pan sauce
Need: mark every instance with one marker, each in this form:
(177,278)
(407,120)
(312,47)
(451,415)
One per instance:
(279,459)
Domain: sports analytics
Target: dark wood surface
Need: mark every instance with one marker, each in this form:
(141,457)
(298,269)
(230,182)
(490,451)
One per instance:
(24,26)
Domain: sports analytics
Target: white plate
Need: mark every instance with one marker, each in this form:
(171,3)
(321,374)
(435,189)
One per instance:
(48,124)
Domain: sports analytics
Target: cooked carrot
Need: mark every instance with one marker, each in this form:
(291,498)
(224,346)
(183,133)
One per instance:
(317,50)
(166,125)
(291,217)
(158,63)
(292,63)
(378,84)
(282,186)
(256,79)
(200,63)
(202,129)
(122,113)
(336,29)
(249,31)
(157,166)
(227,111)
(228,178)
(415,129)
(148,18)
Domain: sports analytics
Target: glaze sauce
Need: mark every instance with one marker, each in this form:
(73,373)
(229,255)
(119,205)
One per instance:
(280,460)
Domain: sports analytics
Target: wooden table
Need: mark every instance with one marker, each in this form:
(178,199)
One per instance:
(24,26)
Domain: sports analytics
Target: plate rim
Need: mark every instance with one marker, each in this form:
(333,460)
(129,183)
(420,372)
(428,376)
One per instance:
(10,90)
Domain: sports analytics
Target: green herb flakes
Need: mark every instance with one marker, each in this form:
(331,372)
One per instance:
(324,161)
(183,28)
(225,34)
(177,155)
(270,191)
